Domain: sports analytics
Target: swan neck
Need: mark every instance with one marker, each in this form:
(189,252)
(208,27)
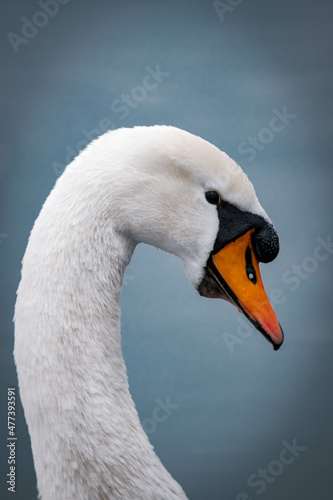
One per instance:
(86,436)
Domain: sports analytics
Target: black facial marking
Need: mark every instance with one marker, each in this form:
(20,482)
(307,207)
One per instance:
(234,222)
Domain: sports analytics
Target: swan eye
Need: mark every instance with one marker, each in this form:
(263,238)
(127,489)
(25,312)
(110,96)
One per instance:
(213,197)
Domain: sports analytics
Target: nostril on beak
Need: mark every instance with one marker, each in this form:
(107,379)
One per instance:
(266,243)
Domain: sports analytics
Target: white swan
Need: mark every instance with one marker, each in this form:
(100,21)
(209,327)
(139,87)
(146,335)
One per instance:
(158,185)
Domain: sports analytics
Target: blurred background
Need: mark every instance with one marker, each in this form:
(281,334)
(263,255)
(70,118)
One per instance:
(255,79)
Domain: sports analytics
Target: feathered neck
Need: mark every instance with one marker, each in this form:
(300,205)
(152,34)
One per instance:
(86,436)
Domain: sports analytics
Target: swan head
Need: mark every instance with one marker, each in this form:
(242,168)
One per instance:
(185,196)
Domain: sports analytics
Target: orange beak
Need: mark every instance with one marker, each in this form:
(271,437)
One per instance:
(235,269)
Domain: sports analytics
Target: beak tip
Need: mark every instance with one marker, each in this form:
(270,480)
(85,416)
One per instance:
(276,346)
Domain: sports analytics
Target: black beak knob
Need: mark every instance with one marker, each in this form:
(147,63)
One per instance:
(265,243)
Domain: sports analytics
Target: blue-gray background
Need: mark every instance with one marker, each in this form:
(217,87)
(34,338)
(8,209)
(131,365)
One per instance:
(226,76)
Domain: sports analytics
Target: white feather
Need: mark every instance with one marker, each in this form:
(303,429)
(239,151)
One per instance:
(145,184)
